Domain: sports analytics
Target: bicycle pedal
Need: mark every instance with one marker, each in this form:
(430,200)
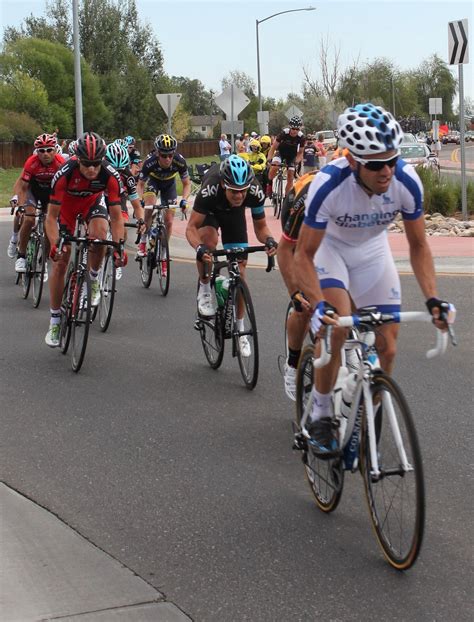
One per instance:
(198,324)
(300,443)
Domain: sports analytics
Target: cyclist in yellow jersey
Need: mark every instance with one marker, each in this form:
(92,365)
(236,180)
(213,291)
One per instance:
(256,159)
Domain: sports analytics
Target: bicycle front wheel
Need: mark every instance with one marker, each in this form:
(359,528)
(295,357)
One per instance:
(81,319)
(163,261)
(28,274)
(39,269)
(245,338)
(146,267)
(107,291)
(396,497)
(66,308)
(325,477)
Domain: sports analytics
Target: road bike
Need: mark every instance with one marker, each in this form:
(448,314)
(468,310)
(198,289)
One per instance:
(234,296)
(376,434)
(157,256)
(278,193)
(76,308)
(36,257)
(107,284)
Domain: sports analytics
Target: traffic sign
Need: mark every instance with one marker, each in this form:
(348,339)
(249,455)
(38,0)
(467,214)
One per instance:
(169,102)
(232,101)
(263,116)
(293,111)
(458,43)
(435,105)
(232,127)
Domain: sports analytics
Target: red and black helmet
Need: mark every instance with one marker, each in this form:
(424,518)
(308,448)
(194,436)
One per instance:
(90,146)
(45,140)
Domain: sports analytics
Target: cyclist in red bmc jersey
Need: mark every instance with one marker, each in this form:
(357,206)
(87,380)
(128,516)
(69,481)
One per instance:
(33,186)
(78,188)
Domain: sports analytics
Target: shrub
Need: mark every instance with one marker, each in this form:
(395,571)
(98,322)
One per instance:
(443,199)
(20,126)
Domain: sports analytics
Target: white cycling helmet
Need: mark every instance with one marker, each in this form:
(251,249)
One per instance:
(366,129)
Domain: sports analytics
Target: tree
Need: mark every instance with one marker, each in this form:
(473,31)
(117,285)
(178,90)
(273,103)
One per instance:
(434,79)
(240,79)
(196,99)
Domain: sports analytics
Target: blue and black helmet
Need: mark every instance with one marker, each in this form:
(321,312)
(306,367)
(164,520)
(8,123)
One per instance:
(236,172)
(117,155)
(365,129)
(128,140)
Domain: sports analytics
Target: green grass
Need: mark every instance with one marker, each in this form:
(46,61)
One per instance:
(7,179)
(9,176)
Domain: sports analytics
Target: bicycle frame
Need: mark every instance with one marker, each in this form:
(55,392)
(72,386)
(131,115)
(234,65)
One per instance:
(368,367)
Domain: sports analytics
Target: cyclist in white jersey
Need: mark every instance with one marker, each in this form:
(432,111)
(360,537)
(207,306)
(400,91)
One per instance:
(343,249)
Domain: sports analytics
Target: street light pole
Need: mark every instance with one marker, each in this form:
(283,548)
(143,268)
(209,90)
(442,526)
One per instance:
(260,21)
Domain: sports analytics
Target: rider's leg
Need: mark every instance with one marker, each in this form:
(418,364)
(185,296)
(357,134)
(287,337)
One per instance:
(26,227)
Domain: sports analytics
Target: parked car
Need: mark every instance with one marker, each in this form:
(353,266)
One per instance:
(419,154)
(452,137)
(409,138)
(469,136)
(329,138)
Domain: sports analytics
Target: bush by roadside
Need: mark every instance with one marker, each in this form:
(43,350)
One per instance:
(444,196)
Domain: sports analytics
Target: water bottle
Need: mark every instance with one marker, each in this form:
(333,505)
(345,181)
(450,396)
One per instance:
(347,395)
(351,450)
(221,287)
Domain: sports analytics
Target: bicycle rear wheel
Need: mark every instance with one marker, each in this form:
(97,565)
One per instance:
(396,498)
(325,477)
(81,319)
(146,266)
(163,261)
(247,353)
(66,306)
(107,291)
(38,269)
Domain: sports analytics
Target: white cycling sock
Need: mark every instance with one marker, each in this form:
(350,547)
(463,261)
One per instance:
(321,405)
(205,287)
(14,237)
(55,316)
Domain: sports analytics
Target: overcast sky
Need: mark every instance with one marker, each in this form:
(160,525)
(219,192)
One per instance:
(206,40)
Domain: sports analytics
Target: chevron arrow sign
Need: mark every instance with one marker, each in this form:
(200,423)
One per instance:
(457,42)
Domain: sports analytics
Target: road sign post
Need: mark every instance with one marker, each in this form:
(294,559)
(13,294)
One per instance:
(459,55)
(168,102)
(232,101)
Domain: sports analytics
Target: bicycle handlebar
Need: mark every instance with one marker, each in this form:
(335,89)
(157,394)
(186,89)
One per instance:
(133,225)
(377,319)
(65,238)
(232,252)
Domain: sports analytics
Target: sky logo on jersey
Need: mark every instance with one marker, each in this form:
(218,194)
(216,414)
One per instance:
(359,221)
(209,191)
(257,192)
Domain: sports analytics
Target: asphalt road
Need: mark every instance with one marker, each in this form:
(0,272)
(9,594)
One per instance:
(189,479)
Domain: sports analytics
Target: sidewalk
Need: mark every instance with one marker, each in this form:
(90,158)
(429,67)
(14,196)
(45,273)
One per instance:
(452,255)
(48,571)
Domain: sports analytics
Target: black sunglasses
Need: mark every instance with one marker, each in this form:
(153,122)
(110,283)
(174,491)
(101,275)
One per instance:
(166,155)
(88,163)
(377,165)
(46,150)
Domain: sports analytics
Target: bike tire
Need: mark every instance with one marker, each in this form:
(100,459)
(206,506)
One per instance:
(163,261)
(107,291)
(279,198)
(39,268)
(81,319)
(211,331)
(26,276)
(395,486)
(147,265)
(325,477)
(248,364)
(66,306)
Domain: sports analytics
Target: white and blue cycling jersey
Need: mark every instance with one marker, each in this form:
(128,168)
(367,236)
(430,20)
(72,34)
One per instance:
(337,203)
(354,253)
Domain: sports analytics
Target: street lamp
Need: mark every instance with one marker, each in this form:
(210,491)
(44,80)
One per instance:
(260,21)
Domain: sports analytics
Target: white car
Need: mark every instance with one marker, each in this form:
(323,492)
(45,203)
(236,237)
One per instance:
(329,138)
(419,154)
